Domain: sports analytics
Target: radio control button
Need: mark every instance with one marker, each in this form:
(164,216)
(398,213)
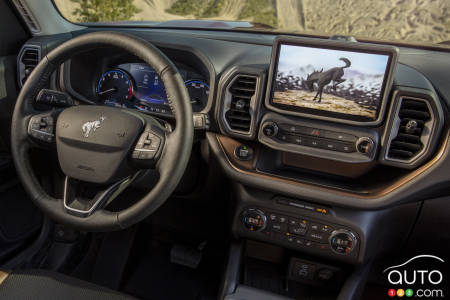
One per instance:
(270,129)
(338,136)
(345,147)
(283,137)
(327,145)
(365,145)
(315,143)
(295,129)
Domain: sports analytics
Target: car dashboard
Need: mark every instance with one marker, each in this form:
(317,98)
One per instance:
(296,176)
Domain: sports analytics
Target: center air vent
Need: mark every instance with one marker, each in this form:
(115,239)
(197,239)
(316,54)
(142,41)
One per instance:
(414,116)
(28,60)
(240,112)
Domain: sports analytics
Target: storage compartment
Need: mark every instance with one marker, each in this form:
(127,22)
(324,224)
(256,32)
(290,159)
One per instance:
(261,270)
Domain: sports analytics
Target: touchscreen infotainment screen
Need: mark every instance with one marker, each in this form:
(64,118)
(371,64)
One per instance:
(336,83)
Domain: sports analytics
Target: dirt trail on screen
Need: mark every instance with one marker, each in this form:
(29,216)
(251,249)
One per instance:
(328,103)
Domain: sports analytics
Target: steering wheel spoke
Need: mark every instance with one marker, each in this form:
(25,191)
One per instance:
(83,199)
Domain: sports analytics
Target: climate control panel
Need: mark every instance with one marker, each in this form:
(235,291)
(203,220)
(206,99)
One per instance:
(299,232)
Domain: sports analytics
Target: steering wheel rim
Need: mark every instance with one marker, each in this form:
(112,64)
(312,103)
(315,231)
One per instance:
(175,154)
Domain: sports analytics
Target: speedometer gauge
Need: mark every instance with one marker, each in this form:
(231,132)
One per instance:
(199,92)
(115,88)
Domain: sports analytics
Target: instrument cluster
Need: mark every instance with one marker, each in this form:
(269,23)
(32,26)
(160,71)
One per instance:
(138,86)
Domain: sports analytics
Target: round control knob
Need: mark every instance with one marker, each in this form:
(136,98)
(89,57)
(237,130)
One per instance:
(342,241)
(254,219)
(270,129)
(365,145)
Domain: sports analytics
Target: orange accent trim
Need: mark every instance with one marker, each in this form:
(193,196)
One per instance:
(3,276)
(223,140)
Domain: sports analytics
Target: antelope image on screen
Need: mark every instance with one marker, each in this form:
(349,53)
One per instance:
(331,80)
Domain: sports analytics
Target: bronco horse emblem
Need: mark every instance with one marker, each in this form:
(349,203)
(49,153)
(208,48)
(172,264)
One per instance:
(92,126)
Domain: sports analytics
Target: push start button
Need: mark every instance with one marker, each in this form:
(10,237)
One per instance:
(243,152)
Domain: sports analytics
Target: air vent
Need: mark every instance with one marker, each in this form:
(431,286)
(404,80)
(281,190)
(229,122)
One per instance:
(28,59)
(412,119)
(240,112)
(27,16)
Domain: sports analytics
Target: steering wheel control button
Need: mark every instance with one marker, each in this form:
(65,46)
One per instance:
(254,219)
(42,128)
(201,121)
(147,146)
(55,98)
(243,152)
(342,241)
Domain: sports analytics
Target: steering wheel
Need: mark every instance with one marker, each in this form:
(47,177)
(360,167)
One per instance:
(102,148)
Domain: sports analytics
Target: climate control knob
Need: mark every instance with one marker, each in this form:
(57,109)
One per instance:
(254,219)
(342,241)
(270,129)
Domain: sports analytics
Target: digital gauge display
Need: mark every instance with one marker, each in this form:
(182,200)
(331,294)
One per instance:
(137,85)
(149,86)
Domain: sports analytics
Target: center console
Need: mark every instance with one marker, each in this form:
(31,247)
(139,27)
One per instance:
(299,232)
(345,86)
(298,225)
(313,162)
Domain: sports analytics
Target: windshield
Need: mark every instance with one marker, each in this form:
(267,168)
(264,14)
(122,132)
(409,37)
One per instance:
(413,21)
